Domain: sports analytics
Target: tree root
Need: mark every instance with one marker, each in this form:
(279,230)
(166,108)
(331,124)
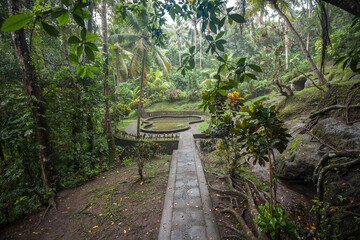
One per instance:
(332,107)
(248,196)
(51,203)
(329,168)
(321,141)
(328,156)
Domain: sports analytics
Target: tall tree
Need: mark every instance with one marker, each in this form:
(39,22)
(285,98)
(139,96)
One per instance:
(107,118)
(315,69)
(32,88)
(309,16)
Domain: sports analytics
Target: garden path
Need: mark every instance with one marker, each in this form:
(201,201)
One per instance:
(187,210)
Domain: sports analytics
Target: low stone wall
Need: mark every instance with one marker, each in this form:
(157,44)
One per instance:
(176,113)
(167,146)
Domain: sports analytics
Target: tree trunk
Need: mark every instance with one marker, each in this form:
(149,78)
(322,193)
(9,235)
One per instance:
(110,138)
(200,50)
(141,93)
(2,156)
(310,16)
(63,39)
(179,48)
(302,46)
(117,62)
(195,37)
(90,20)
(33,90)
(286,48)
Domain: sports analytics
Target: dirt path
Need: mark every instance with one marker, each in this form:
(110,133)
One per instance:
(115,205)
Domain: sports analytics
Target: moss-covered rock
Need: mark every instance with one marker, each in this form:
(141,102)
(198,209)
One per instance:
(302,103)
(338,134)
(342,186)
(299,159)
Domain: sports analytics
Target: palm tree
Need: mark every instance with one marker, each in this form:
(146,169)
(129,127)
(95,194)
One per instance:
(145,53)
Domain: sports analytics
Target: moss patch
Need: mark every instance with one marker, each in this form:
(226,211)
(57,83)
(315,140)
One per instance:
(302,103)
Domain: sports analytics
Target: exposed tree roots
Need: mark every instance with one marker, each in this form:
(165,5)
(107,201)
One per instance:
(242,191)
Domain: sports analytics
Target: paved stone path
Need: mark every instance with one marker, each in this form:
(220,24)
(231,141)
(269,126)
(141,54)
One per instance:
(187,208)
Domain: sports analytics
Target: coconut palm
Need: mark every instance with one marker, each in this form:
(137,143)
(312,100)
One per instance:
(144,51)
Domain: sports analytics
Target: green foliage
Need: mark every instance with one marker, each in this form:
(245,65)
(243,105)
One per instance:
(352,59)
(16,22)
(329,220)
(271,223)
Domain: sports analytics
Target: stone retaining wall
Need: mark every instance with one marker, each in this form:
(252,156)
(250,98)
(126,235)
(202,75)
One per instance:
(167,146)
(177,113)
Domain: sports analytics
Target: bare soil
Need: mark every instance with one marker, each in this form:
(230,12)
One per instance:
(115,205)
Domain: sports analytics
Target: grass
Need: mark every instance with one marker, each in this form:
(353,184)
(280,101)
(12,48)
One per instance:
(123,124)
(181,105)
(252,101)
(203,126)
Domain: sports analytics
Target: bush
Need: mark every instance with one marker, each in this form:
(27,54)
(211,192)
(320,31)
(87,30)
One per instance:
(144,151)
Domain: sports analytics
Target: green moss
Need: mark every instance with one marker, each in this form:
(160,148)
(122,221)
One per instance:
(303,102)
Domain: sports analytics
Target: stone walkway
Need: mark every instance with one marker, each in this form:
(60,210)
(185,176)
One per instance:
(187,210)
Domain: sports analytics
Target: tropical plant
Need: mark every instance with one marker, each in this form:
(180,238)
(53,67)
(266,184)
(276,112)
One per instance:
(145,52)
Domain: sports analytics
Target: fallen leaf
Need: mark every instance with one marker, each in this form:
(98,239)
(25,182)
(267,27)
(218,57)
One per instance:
(95,226)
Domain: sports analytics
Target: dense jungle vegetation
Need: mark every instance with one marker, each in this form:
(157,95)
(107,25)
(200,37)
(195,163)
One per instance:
(73,71)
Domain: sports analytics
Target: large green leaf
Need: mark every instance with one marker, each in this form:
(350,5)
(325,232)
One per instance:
(51,30)
(15,22)
(74,39)
(237,18)
(91,37)
(64,18)
(254,67)
(79,20)
(89,53)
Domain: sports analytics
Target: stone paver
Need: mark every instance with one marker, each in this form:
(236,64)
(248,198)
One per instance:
(187,208)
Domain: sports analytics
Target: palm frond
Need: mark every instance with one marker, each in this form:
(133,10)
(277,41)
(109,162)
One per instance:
(123,37)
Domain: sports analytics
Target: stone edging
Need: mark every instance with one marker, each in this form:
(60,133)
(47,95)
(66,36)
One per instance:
(148,123)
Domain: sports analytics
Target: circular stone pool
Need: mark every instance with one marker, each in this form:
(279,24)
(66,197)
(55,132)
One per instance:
(168,124)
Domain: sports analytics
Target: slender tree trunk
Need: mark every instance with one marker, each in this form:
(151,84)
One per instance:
(302,46)
(89,115)
(117,58)
(200,50)
(110,138)
(195,37)
(141,93)
(2,155)
(33,90)
(90,20)
(286,48)
(179,48)
(310,16)
(63,39)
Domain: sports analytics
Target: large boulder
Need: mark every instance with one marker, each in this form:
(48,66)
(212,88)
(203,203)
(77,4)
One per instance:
(338,134)
(299,159)
(301,156)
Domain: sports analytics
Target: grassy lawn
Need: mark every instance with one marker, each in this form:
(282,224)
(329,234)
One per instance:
(123,124)
(182,105)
